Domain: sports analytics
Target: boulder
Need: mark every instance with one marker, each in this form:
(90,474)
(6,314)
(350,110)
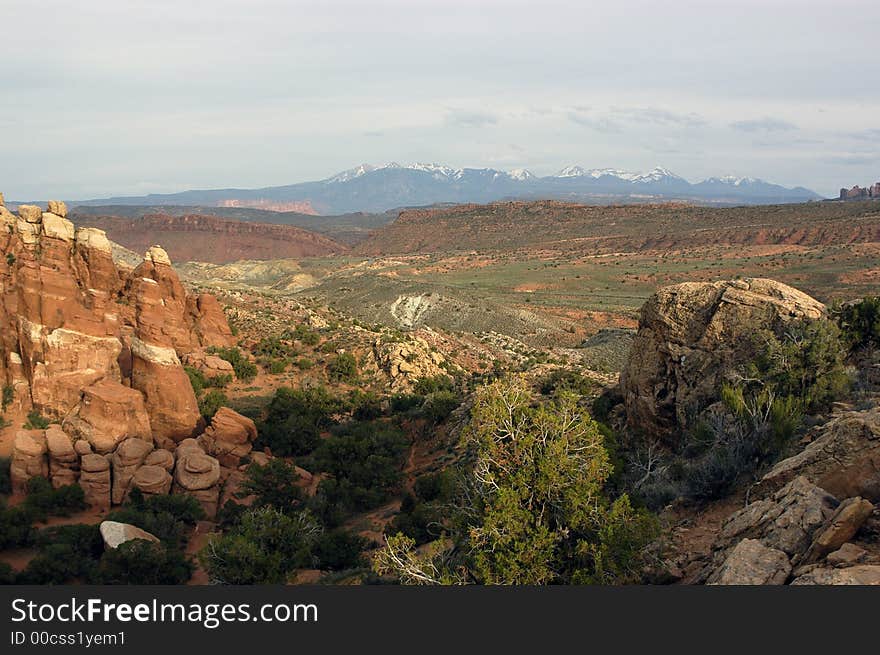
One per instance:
(691,336)
(785,522)
(752,563)
(63,458)
(847,555)
(162,458)
(126,459)
(30,213)
(842,457)
(229,425)
(58,207)
(94,479)
(198,475)
(839,528)
(28,459)
(82,447)
(152,480)
(115,534)
(168,395)
(56,227)
(107,414)
(406,363)
(210,366)
(862,574)
(229,437)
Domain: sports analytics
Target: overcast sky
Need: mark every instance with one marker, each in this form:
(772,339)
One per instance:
(101,97)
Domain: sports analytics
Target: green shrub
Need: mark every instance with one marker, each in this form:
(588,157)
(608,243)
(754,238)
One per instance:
(211,402)
(167,517)
(295,418)
(140,562)
(219,381)
(196,379)
(404,403)
(366,406)
(306,335)
(8,395)
(364,460)
(36,421)
(566,379)
(5,476)
(342,368)
(264,547)
(43,501)
(16,527)
(439,405)
(245,370)
(304,363)
(337,550)
(277,366)
(860,322)
(274,485)
(425,386)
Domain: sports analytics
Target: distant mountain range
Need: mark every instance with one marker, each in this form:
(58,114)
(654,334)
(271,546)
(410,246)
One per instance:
(369,188)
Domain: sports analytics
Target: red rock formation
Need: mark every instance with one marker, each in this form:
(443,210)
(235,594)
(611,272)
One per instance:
(69,320)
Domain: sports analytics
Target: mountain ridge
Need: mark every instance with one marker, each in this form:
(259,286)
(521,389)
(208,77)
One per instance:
(378,188)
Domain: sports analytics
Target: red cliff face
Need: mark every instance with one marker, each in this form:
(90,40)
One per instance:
(214,240)
(99,353)
(68,319)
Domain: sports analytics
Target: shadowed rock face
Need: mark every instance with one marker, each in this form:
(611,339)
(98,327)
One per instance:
(690,337)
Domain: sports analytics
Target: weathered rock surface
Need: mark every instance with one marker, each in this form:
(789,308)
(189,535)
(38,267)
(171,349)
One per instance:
(169,399)
(107,414)
(690,337)
(406,363)
(786,521)
(28,459)
(752,563)
(69,318)
(229,437)
(198,475)
(840,528)
(847,555)
(209,365)
(115,534)
(152,480)
(863,574)
(63,459)
(126,459)
(94,478)
(843,457)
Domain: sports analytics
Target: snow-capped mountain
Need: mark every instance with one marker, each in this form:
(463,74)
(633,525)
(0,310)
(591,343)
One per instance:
(378,188)
(734,180)
(653,175)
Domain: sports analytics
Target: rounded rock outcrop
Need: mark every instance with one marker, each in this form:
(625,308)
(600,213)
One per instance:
(690,337)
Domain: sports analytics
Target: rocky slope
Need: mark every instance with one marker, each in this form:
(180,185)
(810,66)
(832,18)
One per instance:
(211,239)
(811,518)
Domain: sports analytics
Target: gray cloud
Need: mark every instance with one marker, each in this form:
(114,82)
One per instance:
(266,92)
(853,159)
(659,116)
(763,125)
(463,118)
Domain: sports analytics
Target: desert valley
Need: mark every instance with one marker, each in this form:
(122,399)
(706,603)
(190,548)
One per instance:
(223,393)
